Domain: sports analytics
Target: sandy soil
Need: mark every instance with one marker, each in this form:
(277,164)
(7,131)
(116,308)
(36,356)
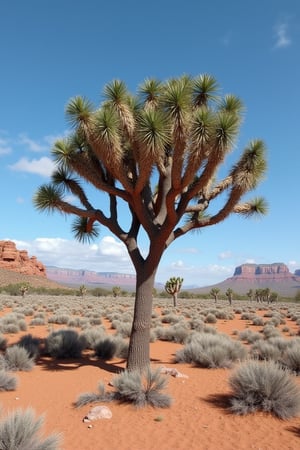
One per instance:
(198,418)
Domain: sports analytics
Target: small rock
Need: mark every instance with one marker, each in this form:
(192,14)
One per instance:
(98,412)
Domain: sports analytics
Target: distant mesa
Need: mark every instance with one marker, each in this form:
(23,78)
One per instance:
(19,261)
(276,277)
(90,278)
(277,270)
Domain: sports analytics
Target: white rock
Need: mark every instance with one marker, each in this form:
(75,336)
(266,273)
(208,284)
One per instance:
(98,412)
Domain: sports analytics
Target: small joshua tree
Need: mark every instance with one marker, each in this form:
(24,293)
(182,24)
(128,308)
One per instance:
(116,290)
(82,290)
(229,295)
(214,292)
(173,286)
(23,289)
(250,294)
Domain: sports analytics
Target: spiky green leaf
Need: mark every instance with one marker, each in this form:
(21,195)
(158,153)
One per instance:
(47,198)
(82,232)
(78,110)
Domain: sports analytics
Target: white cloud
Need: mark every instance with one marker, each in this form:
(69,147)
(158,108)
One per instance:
(282,39)
(194,275)
(32,145)
(250,261)
(178,264)
(5,148)
(293,265)
(42,145)
(109,255)
(43,166)
(111,247)
(225,255)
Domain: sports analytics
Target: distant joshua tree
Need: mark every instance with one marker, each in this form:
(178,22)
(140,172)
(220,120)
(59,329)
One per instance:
(274,297)
(258,295)
(23,289)
(214,292)
(172,287)
(229,295)
(116,290)
(82,290)
(250,294)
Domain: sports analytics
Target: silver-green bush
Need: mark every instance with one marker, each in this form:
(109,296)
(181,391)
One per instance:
(21,431)
(8,382)
(211,350)
(264,386)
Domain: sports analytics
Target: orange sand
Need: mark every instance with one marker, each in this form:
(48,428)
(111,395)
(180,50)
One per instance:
(197,419)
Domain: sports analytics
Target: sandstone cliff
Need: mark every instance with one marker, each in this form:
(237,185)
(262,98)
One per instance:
(18,260)
(276,277)
(267,271)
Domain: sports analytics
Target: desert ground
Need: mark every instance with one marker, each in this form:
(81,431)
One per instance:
(199,416)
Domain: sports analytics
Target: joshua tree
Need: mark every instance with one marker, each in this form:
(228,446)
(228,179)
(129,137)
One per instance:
(250,294)
(258,295)
(116,290)
(158,152)
(266,294)
(23,289)
(82,290)
(214,292)
(273,297)
(173,286)
(229,295)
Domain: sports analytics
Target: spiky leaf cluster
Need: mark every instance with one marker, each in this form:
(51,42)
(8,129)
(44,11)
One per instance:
(173,285)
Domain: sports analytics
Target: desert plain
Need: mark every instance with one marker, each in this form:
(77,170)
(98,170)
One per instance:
(199,416)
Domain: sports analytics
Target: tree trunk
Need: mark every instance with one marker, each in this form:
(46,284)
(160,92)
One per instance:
(139,344)
(175,299)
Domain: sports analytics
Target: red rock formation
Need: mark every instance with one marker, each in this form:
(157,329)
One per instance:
(18,260)
(277,270)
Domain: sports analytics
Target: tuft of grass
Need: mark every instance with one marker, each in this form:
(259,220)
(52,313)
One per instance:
(18,359)
(92,335)
(142,389)
(3,342)
(265,350)
(93,397)
(249,336)
(211,350)
(63,344)
(264,386)
(8,382)
(31,344)
(291,358)
(105,349)
(21,431)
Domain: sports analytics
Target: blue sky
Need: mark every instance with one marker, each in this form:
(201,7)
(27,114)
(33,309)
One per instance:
(54,50)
